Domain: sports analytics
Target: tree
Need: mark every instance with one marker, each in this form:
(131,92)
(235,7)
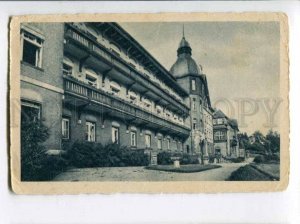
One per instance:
(244,140)
(33,134)
(274,141)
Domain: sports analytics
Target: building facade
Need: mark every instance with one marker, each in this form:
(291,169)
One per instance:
(225,131)
(191,78)
(93,82)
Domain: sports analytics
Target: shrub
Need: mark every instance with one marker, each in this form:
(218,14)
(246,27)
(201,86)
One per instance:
(36,165)
(238,160)
(52,166)
(272,158)
(87,154)
(135,157)
(165,158)
(259,159)
(189,159)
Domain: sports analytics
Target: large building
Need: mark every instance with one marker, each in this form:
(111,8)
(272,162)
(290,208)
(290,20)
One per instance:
(94,82)
(191,78)
(225,135)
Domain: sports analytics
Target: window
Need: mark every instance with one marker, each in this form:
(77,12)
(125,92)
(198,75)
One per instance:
(30,111)
(147,104)
(32,47)
(158,109)
(194,104)
(132,96)
(67,67)
(65,126)
(168,143)
(91,78)
(133,138)
(147,140)
(194,124)
(168,115)
(220,121)
(193,84)
(219,135)
(115,135)
(115,88)
(175,117)
(90,134)
(159,143)
(179,146)
(115,49)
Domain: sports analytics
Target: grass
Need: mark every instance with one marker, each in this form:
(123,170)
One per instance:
(248,173)
(270,169)
(193,168)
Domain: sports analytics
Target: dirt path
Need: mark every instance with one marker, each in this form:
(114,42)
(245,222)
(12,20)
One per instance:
(142,174)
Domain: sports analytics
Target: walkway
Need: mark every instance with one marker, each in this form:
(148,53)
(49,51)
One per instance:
(142,174)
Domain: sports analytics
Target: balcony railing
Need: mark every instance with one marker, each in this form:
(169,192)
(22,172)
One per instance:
(77,87)
(93,47)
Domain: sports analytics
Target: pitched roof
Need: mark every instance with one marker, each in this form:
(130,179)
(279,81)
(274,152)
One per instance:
(219,114)
(233,123)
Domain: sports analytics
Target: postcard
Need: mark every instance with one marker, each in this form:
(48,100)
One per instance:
(149,103)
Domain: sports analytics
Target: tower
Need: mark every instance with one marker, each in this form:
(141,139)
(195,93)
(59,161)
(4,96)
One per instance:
(190,77)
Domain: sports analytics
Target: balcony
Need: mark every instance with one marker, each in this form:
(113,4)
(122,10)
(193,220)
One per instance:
(125,66)
(116,106)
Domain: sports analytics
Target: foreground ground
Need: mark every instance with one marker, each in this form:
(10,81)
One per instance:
(143,174)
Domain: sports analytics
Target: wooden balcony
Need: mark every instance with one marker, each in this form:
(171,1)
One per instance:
(90,45)
(122,108)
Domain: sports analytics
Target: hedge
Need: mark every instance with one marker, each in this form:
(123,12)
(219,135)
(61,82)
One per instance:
(165,158)
(86,154)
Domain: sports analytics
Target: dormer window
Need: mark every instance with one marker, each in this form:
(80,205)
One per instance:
(220,121)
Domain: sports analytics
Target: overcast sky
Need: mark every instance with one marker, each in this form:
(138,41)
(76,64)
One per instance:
(240,59)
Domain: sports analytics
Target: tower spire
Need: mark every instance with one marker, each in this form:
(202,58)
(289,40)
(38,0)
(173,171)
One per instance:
(183,31)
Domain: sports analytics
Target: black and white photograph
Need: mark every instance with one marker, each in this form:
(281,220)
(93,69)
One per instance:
(151,101)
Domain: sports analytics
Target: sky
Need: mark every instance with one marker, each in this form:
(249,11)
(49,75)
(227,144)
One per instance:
(240,60)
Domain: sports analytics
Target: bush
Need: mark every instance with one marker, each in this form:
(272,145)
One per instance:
(267,158)
(87,154)
(135,158)
(272,158)
(36,165)
(189,159)
(165,158)
(238,160)
(247,173)
(259,159)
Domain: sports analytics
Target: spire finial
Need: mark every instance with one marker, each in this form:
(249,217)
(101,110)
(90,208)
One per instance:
(183,31)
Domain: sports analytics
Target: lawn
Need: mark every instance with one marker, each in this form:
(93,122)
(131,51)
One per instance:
(271,169)
(193,168)
(248,173)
